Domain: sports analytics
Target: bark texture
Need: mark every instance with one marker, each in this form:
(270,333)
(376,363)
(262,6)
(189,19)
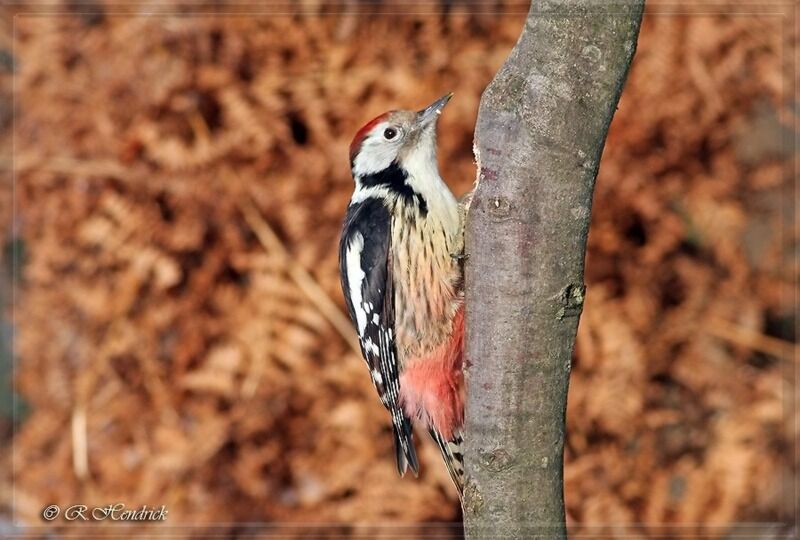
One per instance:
(541,129)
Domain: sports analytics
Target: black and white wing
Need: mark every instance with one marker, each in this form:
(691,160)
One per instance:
(365,268)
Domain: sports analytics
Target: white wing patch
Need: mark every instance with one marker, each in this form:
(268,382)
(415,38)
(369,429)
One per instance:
(371,346)
(355,278)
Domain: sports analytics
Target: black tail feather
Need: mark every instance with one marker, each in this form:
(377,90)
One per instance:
(404,449)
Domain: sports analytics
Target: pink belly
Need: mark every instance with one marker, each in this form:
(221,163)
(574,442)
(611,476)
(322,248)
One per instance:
(432,386)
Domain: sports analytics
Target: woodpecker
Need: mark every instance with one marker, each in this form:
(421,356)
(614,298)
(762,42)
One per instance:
(401,270)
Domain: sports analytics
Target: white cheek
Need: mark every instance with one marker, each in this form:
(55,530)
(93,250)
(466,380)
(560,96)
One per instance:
(375,156)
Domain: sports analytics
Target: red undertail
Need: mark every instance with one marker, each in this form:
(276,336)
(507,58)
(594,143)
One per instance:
(432,386)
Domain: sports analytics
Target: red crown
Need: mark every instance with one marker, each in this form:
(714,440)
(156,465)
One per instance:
(355,146)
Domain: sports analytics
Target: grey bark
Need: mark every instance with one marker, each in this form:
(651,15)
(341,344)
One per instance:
(541,129)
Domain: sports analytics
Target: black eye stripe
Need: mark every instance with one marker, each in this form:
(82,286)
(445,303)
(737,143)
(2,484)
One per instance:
(389,133)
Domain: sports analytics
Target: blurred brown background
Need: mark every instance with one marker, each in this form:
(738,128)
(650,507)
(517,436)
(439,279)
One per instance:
(175,175)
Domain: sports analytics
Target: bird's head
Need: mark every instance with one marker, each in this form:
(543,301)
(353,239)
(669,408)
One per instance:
(402,137)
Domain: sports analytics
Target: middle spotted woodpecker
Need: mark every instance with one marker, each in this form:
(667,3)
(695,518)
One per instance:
(400,264)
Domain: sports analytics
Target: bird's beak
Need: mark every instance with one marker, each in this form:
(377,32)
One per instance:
(429,114)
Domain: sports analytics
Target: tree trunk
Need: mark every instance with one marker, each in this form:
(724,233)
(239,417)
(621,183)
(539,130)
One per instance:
(541,129)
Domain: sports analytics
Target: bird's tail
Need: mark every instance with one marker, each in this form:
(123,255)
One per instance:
(404,449)
(453,455)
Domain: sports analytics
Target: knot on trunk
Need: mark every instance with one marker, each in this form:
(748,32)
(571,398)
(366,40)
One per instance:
(570,301)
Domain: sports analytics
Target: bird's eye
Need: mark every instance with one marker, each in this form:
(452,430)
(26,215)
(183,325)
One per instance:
(389,134)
